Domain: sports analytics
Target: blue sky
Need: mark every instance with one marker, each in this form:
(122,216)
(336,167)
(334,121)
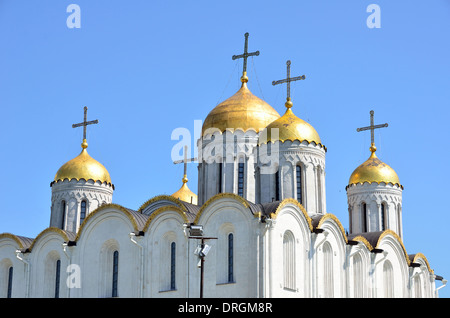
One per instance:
(145,68)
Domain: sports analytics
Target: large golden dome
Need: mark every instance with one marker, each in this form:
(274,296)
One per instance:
(290,127)
(83,167)
(243,111)
(374,170)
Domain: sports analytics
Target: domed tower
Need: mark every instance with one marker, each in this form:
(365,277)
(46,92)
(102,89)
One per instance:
(80,186)
(226,148)
(292,159)
(184,193)
(374,194)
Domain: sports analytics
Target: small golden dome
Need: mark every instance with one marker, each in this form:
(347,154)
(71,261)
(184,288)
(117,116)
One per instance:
(185,194)
(83,167)
(374,170)
(290,127)
(243,111)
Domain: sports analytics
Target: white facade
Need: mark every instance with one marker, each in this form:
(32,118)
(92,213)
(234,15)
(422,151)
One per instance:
(297,169)
(73,200)
(375,207)
(264,242)
(223,159)
(278,251)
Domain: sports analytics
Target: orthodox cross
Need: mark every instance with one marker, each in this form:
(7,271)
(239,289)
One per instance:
(246,54)
(372,128)
(85,123)
(288,80)
(185,161)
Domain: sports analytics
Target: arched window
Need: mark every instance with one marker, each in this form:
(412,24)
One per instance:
(299,183)
(417,287)
(364,216)
(328,270)
(10,280)
(319,188)
(289,260)
(383,216)
(230,258)
(225,255)
(220,175)
(277,185)
(115,273)
(388,280)
(241,178)
(172,265)
(57,279)
(63,213)
(357,276)
(82,211)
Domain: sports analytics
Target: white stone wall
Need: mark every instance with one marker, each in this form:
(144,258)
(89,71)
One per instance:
(72,193)
(320,264)
(8,259)
(226,150)
(374,195)
(285,157)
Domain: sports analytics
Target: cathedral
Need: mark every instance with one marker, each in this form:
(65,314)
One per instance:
(258,226)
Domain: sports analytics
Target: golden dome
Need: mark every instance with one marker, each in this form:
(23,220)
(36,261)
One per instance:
(83,167)
(290,127)
(185,194)
(374,170)
(243,111)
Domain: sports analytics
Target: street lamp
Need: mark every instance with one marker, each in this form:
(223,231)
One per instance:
(196,232)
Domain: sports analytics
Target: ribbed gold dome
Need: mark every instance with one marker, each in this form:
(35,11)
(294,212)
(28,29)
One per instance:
(374,170)
(185,194)
(83,167)
(243,111)
(290,127)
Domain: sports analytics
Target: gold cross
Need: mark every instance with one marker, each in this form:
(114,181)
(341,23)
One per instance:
(288,80)
(245,55)
(85,123)
(372,128)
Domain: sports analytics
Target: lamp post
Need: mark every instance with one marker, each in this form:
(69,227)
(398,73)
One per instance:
(196,232)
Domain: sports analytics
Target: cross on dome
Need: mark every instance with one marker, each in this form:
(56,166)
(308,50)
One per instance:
(288,80)
(185,161)
(84,124)
(245,55)
(372,128)
(184,193)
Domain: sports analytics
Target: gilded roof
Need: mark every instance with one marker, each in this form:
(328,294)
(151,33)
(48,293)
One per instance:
(290,127)
(242,111)
(185,194)
(374,170)
(83,167)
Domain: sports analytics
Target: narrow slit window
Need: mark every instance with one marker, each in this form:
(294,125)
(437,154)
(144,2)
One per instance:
(63,213)
(220,177)
(230,258)
(115,274)
(364,217)
(383,217)
(241,179)
(172,265)
(82,211)
(299,184)
(277,185)
(57,278)
(10,280)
